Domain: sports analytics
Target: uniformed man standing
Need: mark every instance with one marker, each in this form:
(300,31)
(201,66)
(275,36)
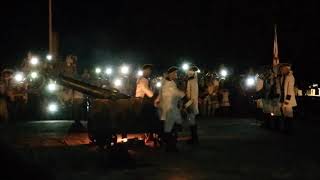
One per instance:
(274,97)
(287,98)
(76,98)
(4,95)
(170,96)
(225,103)
(192,93)
(143,90)
(258,99)
(266,99)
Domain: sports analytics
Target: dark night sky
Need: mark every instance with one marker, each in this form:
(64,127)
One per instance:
(163,32)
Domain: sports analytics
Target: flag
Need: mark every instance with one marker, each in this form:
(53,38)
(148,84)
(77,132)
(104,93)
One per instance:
(275,48)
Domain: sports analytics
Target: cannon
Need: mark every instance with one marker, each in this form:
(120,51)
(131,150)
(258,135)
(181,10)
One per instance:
(112,112)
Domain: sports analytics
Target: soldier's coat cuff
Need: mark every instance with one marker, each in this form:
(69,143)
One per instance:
(288,97)
(188,104)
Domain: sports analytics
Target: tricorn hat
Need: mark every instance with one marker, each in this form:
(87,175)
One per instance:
(147,66)
(172,69)
(193,68)
(7,71)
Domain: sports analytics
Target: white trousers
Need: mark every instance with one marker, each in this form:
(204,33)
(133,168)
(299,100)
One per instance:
(287,111)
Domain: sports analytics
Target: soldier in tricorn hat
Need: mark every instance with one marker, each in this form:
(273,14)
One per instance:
(169,97)
(287,97)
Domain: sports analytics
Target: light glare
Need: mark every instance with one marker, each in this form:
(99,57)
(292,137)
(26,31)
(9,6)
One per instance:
(224,73)
(52,87)
(34,61)
(34,75)
(140,73)
(49,57)
(250,81)
(52,108)
(124,70)
(185,66)
(117,82)
(98,70)
(19,77)
(158,84)
(108,71)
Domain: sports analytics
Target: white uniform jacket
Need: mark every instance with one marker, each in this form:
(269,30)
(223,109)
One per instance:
(288,85)
(193,94)
(143,88)
(169,98)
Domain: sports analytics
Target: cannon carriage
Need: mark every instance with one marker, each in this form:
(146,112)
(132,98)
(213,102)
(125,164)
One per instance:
(112,113)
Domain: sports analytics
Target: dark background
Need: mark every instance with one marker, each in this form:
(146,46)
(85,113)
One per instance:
(236,33)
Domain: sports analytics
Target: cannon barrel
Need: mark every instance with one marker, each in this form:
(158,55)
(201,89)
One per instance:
(90,89)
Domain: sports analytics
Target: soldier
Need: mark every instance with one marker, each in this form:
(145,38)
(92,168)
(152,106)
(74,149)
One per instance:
(192,93)
(266,100)
(143,90)
(211,101)
(170,113)
(258,98)
(274,97)
(78,110)
(70,68)
(86,77)
(76,98)
(25,66)
(225,103)
(4,87)
(19,100)
(287,98)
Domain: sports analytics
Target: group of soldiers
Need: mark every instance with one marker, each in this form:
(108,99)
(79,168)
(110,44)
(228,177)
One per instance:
(276,97)
(25,97)
(168,100)
(176,104)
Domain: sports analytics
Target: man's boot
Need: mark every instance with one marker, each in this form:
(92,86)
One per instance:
(266,121)
(277,123)
(194,135)
(288,122)
(171,142)
(161,134)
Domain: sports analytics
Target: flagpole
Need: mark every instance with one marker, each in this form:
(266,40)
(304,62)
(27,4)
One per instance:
(50,26)
(275,48)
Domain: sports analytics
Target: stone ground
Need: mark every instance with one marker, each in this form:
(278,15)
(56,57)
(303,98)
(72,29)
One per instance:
(231,148)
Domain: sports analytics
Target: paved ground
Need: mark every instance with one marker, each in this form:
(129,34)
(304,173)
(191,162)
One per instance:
(230,149)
